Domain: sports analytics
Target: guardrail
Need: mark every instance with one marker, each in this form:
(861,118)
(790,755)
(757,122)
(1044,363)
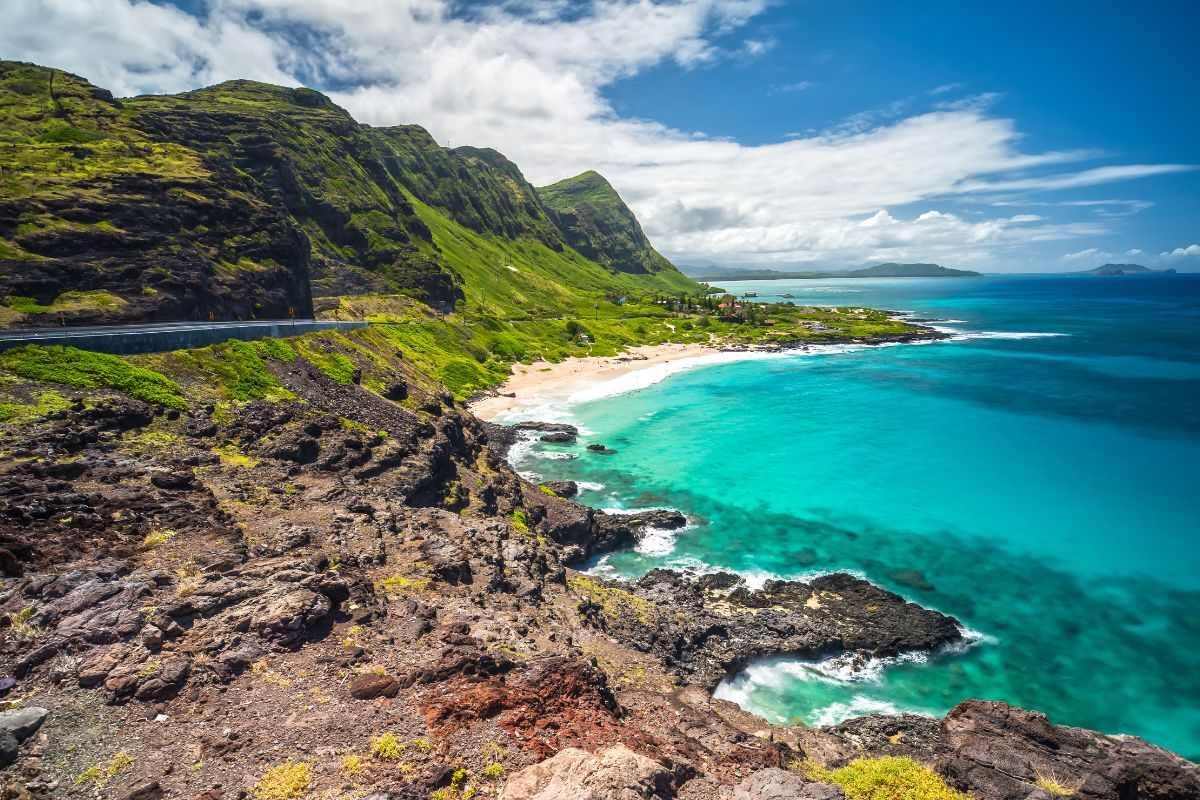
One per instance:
(164,336)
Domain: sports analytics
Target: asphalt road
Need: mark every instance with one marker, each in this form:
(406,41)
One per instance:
(152,336)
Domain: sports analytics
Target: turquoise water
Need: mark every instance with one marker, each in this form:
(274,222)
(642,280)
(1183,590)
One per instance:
(1042,489)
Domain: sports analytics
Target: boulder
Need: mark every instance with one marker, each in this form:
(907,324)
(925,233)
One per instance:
(780,784)
(615,773)
(371,685)
(23,722)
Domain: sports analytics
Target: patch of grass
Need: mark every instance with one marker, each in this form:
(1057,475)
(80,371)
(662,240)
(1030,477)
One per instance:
(47,402)
(399,585)
(101,774)
(285,781)
(262,669)
(352,764)
(387,747)
(20,623)
(616,603)
(87,370)
(547,490)
(520,520)
(493,771)
(232,457)
(332,364)
(236,367)
(886,778)
(1051,784)
(158,536)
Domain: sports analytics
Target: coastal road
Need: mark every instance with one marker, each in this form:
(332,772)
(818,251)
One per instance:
(159,336)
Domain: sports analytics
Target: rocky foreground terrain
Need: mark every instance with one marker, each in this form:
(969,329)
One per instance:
(343,595)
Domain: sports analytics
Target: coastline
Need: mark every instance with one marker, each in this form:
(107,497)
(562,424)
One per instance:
(546,384)
(545,389)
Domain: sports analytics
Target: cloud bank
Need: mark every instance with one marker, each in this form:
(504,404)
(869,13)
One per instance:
(528,78)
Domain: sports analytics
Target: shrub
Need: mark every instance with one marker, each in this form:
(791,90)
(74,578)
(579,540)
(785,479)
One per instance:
(885,778)
(400,585)
(285,781)
(158,536)
(1050,783)
(387,747)
(88,370)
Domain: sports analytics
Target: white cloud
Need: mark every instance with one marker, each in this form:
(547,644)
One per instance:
(798,86)
(1183,252)
(528,78)
(1090,254)
(945,88)
(1133,252)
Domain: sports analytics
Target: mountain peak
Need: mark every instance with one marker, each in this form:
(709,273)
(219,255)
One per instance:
(597,223)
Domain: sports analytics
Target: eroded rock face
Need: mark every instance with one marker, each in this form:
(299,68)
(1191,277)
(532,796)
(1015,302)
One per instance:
(1001,751)
(615,773)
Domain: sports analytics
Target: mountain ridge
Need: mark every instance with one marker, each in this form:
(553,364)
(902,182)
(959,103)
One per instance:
(1113,270)
(246,200)
(889,269)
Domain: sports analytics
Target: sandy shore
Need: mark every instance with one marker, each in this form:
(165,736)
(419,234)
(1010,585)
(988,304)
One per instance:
(544,387)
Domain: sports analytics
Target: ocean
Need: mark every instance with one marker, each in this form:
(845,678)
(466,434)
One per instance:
(1038,477)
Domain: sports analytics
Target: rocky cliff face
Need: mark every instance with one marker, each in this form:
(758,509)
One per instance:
(101,220)
(244,200)
(597,223)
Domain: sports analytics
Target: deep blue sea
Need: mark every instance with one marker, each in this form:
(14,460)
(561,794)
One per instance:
(1038,478)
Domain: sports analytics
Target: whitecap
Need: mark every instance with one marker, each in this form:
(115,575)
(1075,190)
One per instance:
(859,706)
(554,455)
(656,542)
(589,486)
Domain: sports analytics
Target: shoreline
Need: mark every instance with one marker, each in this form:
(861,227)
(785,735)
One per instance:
(546,389)
(546,383)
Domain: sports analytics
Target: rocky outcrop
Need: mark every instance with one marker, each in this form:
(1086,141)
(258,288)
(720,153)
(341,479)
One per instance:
(705,629)
(1002,753)
(615,773)
(781,784)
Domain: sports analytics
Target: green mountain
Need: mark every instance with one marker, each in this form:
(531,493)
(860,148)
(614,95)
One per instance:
(894,270)
(248,200)
(888,270)
(597,223)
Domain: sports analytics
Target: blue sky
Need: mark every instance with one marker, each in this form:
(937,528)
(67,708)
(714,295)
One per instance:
(1003,137)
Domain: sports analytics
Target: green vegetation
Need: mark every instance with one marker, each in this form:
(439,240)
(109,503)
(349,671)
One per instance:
(47,403)
(1054,786)
(158,536)
(399,585)
(66,303)
(616,603)
(232,457)
(886,778)
(520,520)
(285,781)
(88,370)
(387,747)
(597,223)
(101,774)
(21,623)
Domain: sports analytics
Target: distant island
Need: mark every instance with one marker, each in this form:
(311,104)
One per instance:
(889,270)
(1109,270)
